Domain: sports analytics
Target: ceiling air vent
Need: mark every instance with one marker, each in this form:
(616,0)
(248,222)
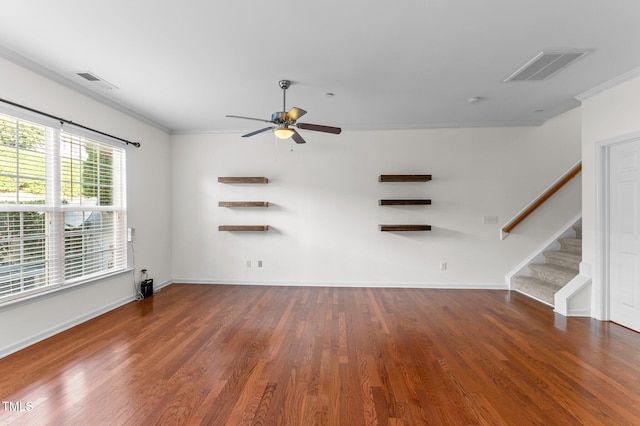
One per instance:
(546,64)
(95,80)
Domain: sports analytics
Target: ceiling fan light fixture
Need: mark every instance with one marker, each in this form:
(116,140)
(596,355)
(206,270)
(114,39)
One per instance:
(283,121)
(283,132)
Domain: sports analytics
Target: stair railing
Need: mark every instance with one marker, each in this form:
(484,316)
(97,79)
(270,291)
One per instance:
(537,202)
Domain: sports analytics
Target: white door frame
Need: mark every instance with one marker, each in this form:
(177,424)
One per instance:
(601,298)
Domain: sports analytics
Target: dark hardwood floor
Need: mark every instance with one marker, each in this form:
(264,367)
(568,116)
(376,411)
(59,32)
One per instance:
(214,355)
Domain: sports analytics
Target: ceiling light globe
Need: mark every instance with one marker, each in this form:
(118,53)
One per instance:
(283,133)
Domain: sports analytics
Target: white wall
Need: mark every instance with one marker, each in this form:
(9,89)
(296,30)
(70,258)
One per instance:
(149,203)
(324,213)
(610,114)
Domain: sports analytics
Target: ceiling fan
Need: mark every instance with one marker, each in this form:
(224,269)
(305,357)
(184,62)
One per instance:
(285,123)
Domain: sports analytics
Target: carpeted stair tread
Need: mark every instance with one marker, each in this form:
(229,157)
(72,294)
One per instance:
(536,288)
(572,245)
(563,259)
(578,230)
(552,273)
(560,267)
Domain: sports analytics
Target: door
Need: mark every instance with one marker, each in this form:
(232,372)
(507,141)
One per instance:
(624,236)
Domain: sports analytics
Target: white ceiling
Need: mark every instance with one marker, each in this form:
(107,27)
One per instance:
(184,65)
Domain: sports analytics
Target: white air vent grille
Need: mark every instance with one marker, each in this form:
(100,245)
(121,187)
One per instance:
(94,80)
(546,64)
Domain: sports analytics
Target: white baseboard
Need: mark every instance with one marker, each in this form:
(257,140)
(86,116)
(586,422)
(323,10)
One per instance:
(15,347)
(453,286)
(158,287)
(579,313)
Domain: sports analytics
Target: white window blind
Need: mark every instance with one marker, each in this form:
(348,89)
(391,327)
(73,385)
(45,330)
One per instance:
(62,208)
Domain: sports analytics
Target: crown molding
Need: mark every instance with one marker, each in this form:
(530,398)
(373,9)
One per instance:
(629,75)
(30,65)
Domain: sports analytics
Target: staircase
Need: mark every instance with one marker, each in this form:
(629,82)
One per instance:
(559,267)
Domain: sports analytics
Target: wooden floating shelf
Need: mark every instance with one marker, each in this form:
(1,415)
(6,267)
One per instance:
(243,228)
(417,202)
(246,179)
(404,178)
(243,204)
(401,228)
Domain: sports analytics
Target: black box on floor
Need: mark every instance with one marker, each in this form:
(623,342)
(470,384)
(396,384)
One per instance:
(146,287)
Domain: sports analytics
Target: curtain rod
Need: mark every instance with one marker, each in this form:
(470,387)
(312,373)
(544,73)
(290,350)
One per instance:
(62,120)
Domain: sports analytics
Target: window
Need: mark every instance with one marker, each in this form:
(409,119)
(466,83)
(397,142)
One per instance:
(62,208)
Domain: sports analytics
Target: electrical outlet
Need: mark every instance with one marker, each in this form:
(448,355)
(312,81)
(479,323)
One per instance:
(259,263)
(443,266)
(248,264)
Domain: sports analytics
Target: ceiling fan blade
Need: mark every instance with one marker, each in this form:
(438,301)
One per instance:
(319,128)
(295,113)
(297,138)
(258,131)
(249,118)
